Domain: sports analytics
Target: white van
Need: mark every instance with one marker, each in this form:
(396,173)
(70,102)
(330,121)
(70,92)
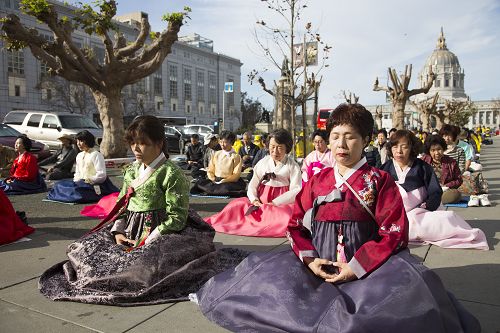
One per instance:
(47,127)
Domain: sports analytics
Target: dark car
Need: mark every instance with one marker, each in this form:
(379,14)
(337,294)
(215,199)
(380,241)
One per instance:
(8,137)
(176,138)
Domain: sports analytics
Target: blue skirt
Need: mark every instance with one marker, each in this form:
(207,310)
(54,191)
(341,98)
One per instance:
(80,192)
(276,292)
(17,187)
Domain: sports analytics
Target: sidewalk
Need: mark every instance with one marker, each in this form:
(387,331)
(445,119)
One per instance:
(472,275)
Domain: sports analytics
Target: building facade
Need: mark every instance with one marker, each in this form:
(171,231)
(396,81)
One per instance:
(450,84)
(190,82)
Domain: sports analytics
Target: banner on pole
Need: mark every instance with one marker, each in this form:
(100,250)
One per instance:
(311,54)
(228,87)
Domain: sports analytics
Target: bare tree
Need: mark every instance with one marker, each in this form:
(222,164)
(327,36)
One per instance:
(455,112)
(399,93)
(67,96)
(124,63)
(292,54)
(425,108)
(378,116)
(351,99)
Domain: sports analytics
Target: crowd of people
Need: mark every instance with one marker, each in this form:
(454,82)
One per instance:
(349,212)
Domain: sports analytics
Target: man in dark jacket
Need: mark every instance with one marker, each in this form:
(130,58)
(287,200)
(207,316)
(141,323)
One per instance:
(63,160)
(194,156)
(248,150)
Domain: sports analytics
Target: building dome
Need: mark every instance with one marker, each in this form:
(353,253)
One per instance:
(449,80)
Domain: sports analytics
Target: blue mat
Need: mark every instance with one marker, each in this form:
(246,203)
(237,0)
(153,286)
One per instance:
(461,204)
(209,196)
(59,202)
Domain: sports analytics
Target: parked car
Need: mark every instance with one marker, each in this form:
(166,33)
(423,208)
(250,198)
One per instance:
(176,140)
(47,127)
(201,130)
(8,137)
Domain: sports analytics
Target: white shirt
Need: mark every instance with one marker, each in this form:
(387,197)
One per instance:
(90,165)
(287,174)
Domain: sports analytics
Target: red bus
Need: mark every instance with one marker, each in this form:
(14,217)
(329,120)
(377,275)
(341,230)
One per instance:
(323,115)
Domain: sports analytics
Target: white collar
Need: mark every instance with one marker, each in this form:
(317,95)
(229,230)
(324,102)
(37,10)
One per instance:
(400,172)
(228,153)
(340,180)
(143,169)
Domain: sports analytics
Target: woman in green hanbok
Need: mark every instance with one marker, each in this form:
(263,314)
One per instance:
(151,248)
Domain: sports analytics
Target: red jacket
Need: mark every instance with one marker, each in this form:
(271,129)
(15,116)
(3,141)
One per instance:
(450,172)
(24,168)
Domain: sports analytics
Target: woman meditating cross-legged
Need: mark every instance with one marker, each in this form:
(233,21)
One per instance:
(421,191)
(90,182)
(349,269)
(267,209)
(223,172)
(150,248)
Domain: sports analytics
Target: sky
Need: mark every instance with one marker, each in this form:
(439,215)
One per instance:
(367,37)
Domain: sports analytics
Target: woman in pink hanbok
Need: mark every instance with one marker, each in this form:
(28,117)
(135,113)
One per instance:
(267,209)
(421,192)
(320,158)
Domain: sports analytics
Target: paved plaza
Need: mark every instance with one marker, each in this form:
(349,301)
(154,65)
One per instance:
(472,275)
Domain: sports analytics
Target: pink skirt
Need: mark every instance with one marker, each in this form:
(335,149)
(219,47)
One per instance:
(102,208)
(267,221)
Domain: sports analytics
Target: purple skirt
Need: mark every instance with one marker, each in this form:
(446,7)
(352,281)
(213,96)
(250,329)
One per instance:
(276,292)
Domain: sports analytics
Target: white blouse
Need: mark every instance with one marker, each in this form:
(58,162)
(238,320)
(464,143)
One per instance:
(90,165)
(287,174)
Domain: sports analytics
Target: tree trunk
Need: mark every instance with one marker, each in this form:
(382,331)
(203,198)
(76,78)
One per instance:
(111,112)
(379,121)
(425,121)
(440,121)
(398,115)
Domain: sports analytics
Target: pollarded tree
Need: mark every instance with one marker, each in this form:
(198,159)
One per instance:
(123,64)
(399,93)
(425,108)
(456,112)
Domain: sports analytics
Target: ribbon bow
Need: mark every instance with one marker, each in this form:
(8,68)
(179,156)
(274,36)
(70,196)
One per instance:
(267,177)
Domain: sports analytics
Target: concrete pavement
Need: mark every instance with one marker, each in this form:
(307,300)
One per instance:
(472,275)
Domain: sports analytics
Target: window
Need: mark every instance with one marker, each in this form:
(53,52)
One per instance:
(200,109)
(12,4)
(230,96)
(157,83)
(174,107)
(34,120)
(50,120)
(187,84)
(17,90)
(200,86)
(15,118)
(454,83)
(437,83)
(212,94)
(16,62)
(172,72)
(187,55)
(446,82)
(213,111)
(188,108)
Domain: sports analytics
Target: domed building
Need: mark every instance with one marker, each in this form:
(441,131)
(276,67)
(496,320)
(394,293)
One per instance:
(449,80)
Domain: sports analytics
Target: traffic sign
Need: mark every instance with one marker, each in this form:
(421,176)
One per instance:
(228,87)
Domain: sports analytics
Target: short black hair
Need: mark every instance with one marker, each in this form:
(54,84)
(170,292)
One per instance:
(450,130)
(434,140)
(27,144)
(322,133)
(282,137)
(355,115)
(87,137)
(195,136)
(414,143)
(383,131)
(227,135)
(147,127)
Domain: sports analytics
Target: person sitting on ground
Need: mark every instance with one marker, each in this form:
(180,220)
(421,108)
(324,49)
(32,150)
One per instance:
(211,144)
(90,182)
(349,268)
(320,158)
(381,145)
(445,168)
(7,157)
(63,160)
(24,177)
(223,172)
(151,248)
(421,192)
(450,135)
(194,157)
(267,208)
(12,227)
(247,151)
(263,152)
(467,148)
(260,141)
(372,155)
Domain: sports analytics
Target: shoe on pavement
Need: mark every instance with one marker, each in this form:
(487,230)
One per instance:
(473,201)
(484,201)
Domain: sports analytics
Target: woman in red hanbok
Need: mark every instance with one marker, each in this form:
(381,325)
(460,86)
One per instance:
(267,209)
(11,226)
(349,269)
(24,176)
